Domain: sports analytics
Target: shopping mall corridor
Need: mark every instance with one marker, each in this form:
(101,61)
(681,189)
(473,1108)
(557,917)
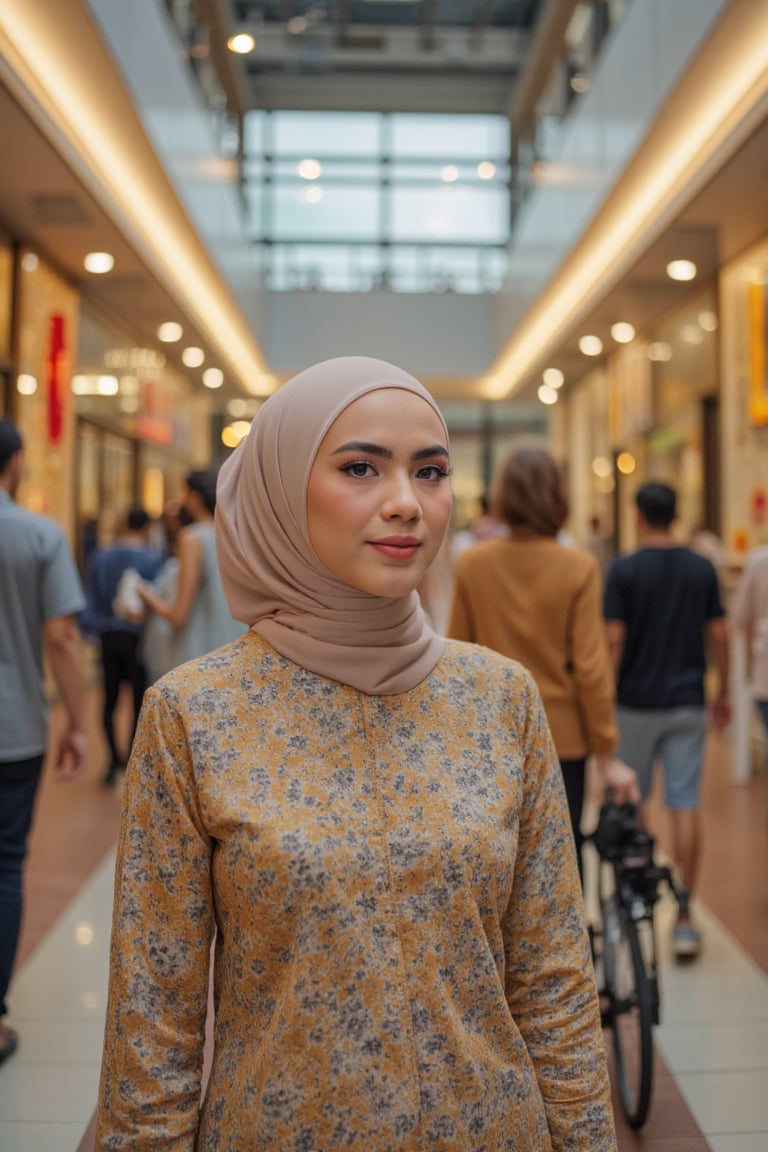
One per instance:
(712,1067)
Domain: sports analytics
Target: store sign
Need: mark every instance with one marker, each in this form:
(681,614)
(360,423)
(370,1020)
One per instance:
(56,371)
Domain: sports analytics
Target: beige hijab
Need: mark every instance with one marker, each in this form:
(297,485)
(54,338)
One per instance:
(272,578)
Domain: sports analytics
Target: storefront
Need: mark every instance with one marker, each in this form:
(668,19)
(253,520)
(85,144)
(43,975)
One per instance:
(139,429)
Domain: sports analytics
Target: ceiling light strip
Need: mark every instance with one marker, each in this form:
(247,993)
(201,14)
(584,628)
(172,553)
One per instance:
(722,98)
(65,78)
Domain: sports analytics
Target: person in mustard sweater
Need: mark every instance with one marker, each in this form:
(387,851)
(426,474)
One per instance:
(368,819)
(539,602)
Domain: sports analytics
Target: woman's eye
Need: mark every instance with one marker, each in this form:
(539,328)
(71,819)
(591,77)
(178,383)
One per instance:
(361,469)
(432,472)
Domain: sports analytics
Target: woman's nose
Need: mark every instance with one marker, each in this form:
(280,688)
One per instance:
(401,499)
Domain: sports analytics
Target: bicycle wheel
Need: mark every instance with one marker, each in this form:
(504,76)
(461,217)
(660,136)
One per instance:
(631,1010)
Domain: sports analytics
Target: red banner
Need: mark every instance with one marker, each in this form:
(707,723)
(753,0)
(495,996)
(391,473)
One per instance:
(56,377)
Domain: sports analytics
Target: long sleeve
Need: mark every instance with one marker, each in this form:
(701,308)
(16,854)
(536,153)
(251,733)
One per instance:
(161,936)
(550,984)
(592,674)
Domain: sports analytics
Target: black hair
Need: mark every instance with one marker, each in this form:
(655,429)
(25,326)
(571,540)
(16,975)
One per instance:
(10,441)
(137,518)
(203,481)
(657,503)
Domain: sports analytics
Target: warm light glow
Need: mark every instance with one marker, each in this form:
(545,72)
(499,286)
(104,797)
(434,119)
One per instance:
(659,351)
(553,377)
(234,433)
(313,195)
(84,934)
(193,357)
(601,466)
(213,377)
(29,262)
(605,484)
(547,394)
(237,407)
(310,169)
(486,170)
(129,385)
(626,463)
(99,262)
(107,386)
(681,270)
(691,334)
(590,345)
(708,321)
(622,332)
(242,43)
(153,491)
(170,332)
(449,173)
(26,385)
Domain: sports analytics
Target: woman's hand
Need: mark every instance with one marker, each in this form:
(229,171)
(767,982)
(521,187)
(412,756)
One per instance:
(619,777)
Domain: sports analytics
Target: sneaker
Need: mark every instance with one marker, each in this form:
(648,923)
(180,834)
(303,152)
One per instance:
(686,940)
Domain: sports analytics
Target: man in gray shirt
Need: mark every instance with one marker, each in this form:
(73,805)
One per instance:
(40,595)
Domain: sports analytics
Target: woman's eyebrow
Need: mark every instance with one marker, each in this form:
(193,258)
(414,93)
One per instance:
(385,453)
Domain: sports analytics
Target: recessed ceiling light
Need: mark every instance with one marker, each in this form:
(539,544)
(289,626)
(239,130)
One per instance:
(313,195)
(681,270)
(310,169)
(708,321)
(553,377)
(449,173)
(547,395)
(26,385)
(29,261)
(170,332)
(213,377)
(622,332)
(242,43)
(590,345)
(486,170)
(659,351)
(626,463)
(99,262)
(193,357)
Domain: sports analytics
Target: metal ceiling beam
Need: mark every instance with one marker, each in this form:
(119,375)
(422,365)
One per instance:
(543,50)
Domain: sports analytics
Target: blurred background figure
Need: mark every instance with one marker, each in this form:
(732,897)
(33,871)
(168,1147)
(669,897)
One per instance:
(485,527)
(117,628)
(532,598)
(600,543)
(707,543)
(157,642)
(197,611)
(749,613)
(40,594)
(663,611)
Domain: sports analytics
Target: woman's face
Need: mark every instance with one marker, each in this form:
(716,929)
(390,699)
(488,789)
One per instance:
(379,497)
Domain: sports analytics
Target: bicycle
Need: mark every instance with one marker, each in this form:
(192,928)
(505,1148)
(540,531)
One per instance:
(624,947)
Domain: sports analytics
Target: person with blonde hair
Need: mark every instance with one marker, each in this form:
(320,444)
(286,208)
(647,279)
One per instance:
(369,818)
(538,601)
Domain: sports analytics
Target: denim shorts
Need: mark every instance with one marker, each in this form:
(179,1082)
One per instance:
(676,737)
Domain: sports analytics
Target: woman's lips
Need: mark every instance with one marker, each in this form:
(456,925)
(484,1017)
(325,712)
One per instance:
(400,548)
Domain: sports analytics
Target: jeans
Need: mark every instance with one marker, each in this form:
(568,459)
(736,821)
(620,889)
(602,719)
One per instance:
(18,787)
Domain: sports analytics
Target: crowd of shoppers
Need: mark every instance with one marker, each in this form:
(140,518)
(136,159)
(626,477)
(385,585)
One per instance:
(373,825)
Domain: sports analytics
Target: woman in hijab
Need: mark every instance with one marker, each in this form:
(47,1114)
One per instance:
(369,819)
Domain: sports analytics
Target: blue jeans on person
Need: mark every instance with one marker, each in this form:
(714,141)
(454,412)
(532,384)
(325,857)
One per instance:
(18,787)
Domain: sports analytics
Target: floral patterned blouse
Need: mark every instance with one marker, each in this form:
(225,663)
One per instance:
(401,962)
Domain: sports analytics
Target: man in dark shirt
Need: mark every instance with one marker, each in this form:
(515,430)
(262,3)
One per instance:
(119,636)
(662,605)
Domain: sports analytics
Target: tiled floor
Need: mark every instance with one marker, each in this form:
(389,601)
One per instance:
(711,1089)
